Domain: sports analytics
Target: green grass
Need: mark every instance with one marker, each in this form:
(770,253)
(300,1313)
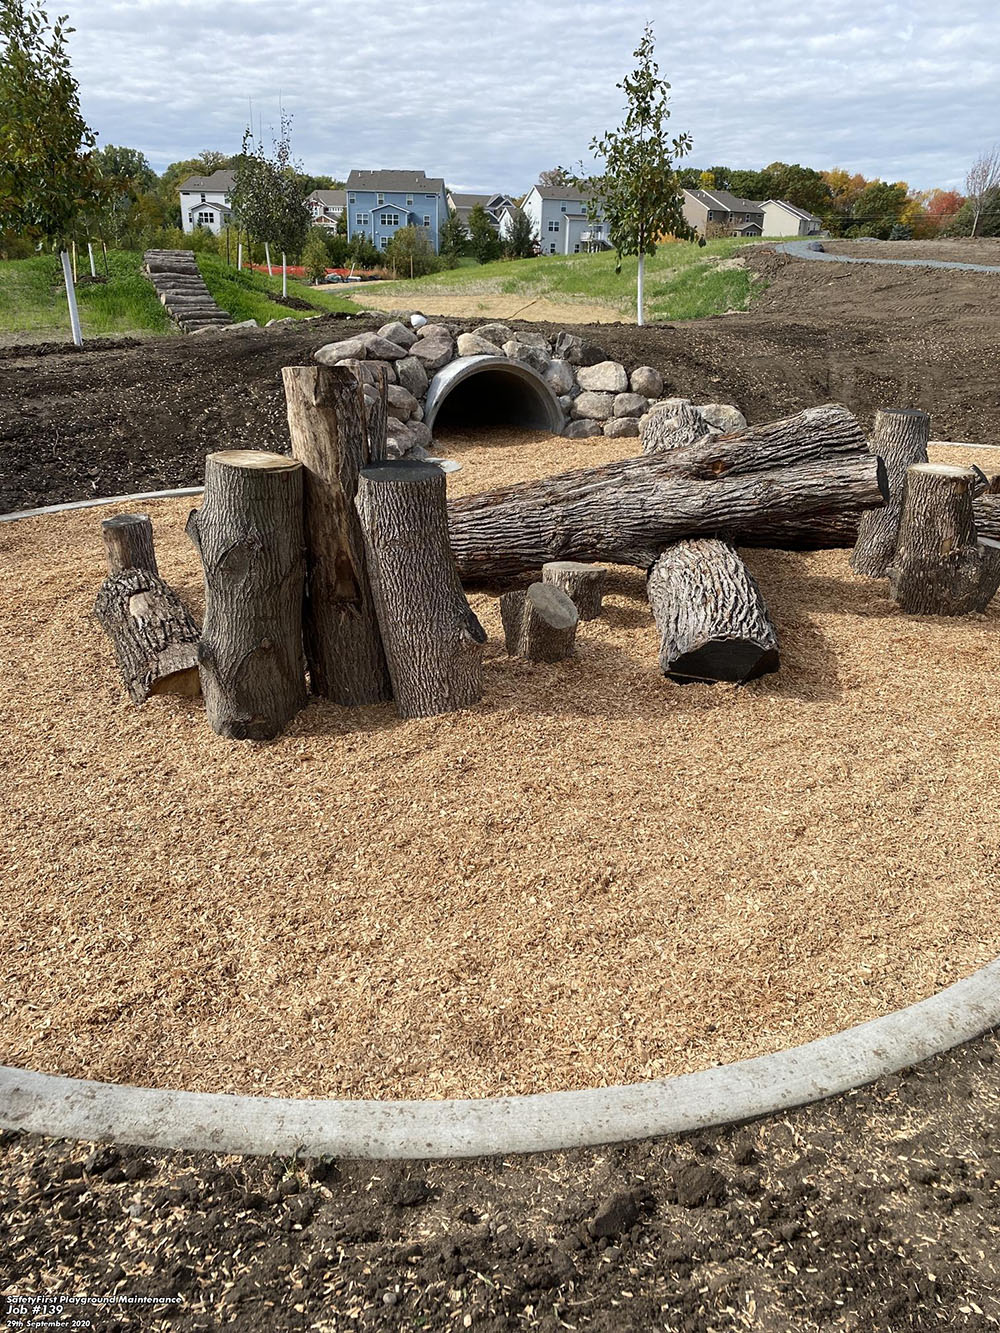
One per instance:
(33,299)
(244,294)
(682,281)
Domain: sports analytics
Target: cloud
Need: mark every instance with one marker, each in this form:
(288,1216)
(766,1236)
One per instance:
(489,95)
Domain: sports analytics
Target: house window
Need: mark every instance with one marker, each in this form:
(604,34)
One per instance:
(409,200)
(351,198)
(553,224)
(362,219)
(381,199)
(430,196)
(390,220)
(202,199)
(576,249)
(552,248)
(427,219)
(205,219)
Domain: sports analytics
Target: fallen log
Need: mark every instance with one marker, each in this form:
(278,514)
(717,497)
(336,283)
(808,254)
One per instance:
(713,623)
(154,636)
(582,584)
(899,438)
(539,623)
(786,484)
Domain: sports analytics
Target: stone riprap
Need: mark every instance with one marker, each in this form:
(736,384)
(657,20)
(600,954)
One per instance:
(597,396)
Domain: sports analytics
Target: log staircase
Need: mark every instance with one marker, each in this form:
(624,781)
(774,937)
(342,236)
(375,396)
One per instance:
(181,288)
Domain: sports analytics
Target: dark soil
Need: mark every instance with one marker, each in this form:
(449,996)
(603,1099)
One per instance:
(875,1212)
(140,415)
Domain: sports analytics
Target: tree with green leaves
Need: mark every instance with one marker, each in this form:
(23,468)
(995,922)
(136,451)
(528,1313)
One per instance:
(127,177)
(267,196)
(483,239)
(520,241)
(453,242)
(410,253)
(638,192)
(315,257)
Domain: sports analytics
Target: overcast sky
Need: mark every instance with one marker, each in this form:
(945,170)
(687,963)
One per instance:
(487,93)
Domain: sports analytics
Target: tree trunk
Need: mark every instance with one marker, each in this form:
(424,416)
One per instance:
(786,484)
(376,410)
(899,438)
(582,584)
(939,567)
(249,534)
(128,543)
(154,636)
(673,428)
(710,613)
(433,642)
(326,422)
(539,623)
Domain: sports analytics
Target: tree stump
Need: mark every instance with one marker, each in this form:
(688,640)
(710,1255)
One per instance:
(433,642)
(154,637)
(672,428)
(899,438)
(940,568)
(332,439)
(582,584)
(376,410)
(539,623)
(128,543)
(250,536)
(712,619)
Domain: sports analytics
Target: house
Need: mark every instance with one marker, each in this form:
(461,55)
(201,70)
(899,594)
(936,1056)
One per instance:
(719,213)
(499,208)
(784,219)
(380,202)
(558,215)
(205,201)
(327,207)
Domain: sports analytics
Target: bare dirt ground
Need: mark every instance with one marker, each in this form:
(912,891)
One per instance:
(494,305)
(977,250)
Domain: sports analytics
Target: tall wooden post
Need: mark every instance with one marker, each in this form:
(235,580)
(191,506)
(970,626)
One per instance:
(900,439)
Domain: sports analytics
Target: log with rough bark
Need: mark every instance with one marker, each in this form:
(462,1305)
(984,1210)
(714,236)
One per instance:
(376,410)
(539,622)
(940,568)
(250,536)
(672,428)
(899,438)
(155,639)
(712,619)
(128,543)
(333,440)
(433,641)
(582,584)
(786,484)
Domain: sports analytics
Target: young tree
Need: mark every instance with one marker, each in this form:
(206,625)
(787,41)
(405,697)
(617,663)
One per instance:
(483,239)
(46,174)
(315,257)
(521,241)
(410,253)
(638,190)
(454,240)
(267,196)
(981,181)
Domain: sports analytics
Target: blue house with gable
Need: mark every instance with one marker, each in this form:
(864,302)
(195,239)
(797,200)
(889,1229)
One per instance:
(380,202)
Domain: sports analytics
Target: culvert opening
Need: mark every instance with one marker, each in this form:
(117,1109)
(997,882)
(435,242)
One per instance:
(470,396)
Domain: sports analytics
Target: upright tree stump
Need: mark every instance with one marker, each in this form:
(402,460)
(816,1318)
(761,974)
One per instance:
(333,437)
(672,428)
(539,623)
(940,568)
(376,410)
(712,619)
(128,543)
(155,639)
(433,642)
(582,584)
(899,438)
(250,536)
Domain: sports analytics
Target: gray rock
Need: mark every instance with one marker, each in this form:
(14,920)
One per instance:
(647,381)
(566,403)
(433,353)
(527,354)
(559,376)
(381,349)
(723,417)
(583,430)
(531,338)
(411,374)
(595,406)
(630,405)
(434,331)
(420,434)
(605,377)
(397,332)
(418,452)
(418,413)
(497,334)
(622,427)
(351,349)
(398,439)
(242,324)
(402,403)
(417,320)
(471,344)
(289,319)
(576,351)
(447,464)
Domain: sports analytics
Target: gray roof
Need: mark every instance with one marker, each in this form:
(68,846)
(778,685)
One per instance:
(412,182)
(330,198)
(565,192)
(793,208)
(221,180)
(722,199)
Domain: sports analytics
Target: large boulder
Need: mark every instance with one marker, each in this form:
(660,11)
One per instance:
(433,353)
(402,403)
(471,344)
(535,357)
(397,332)
(723,417)
(576,351)
(604,377)
(630,405)
(434,331)
(621,427)
(411,374)
(558,375)
(583,430)
(532,338)
(495,333)
(647,381)
(593,406)
(381,349)
(354,349)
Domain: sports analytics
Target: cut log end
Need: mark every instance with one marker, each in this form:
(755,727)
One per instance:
(253,458)
(401,470)
(583,584)
(539,623)
(723,660)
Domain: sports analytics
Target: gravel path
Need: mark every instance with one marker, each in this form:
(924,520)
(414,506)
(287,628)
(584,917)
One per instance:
(801,250)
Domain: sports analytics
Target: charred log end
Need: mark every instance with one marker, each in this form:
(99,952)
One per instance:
(735,661)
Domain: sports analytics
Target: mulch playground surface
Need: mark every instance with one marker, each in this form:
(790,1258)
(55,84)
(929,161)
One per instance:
(874,1211)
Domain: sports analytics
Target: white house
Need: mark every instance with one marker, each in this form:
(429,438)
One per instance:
(327,207)
(205,201)
(784,219)
(558,215)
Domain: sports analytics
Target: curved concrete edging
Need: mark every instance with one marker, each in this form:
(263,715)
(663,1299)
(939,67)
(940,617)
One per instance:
(81,1109)
(463,368)
(800,250)
(104,500)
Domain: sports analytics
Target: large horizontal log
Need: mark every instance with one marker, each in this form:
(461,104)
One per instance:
(795,483)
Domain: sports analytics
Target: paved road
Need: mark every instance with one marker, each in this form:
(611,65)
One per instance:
(800,249)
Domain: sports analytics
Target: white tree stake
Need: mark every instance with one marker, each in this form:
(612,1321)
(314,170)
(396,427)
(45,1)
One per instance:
(284,275)
(239,257)
(74,316)
(90,252)
(267,256)
(638,289)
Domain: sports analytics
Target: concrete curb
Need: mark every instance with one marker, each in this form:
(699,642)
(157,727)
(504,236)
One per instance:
(95,504)
(81,1109)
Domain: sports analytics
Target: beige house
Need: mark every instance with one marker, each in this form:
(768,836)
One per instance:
(719,213)
(784,219)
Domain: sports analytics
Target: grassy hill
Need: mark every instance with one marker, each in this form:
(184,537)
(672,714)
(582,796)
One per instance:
(682,281)
(245,294)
